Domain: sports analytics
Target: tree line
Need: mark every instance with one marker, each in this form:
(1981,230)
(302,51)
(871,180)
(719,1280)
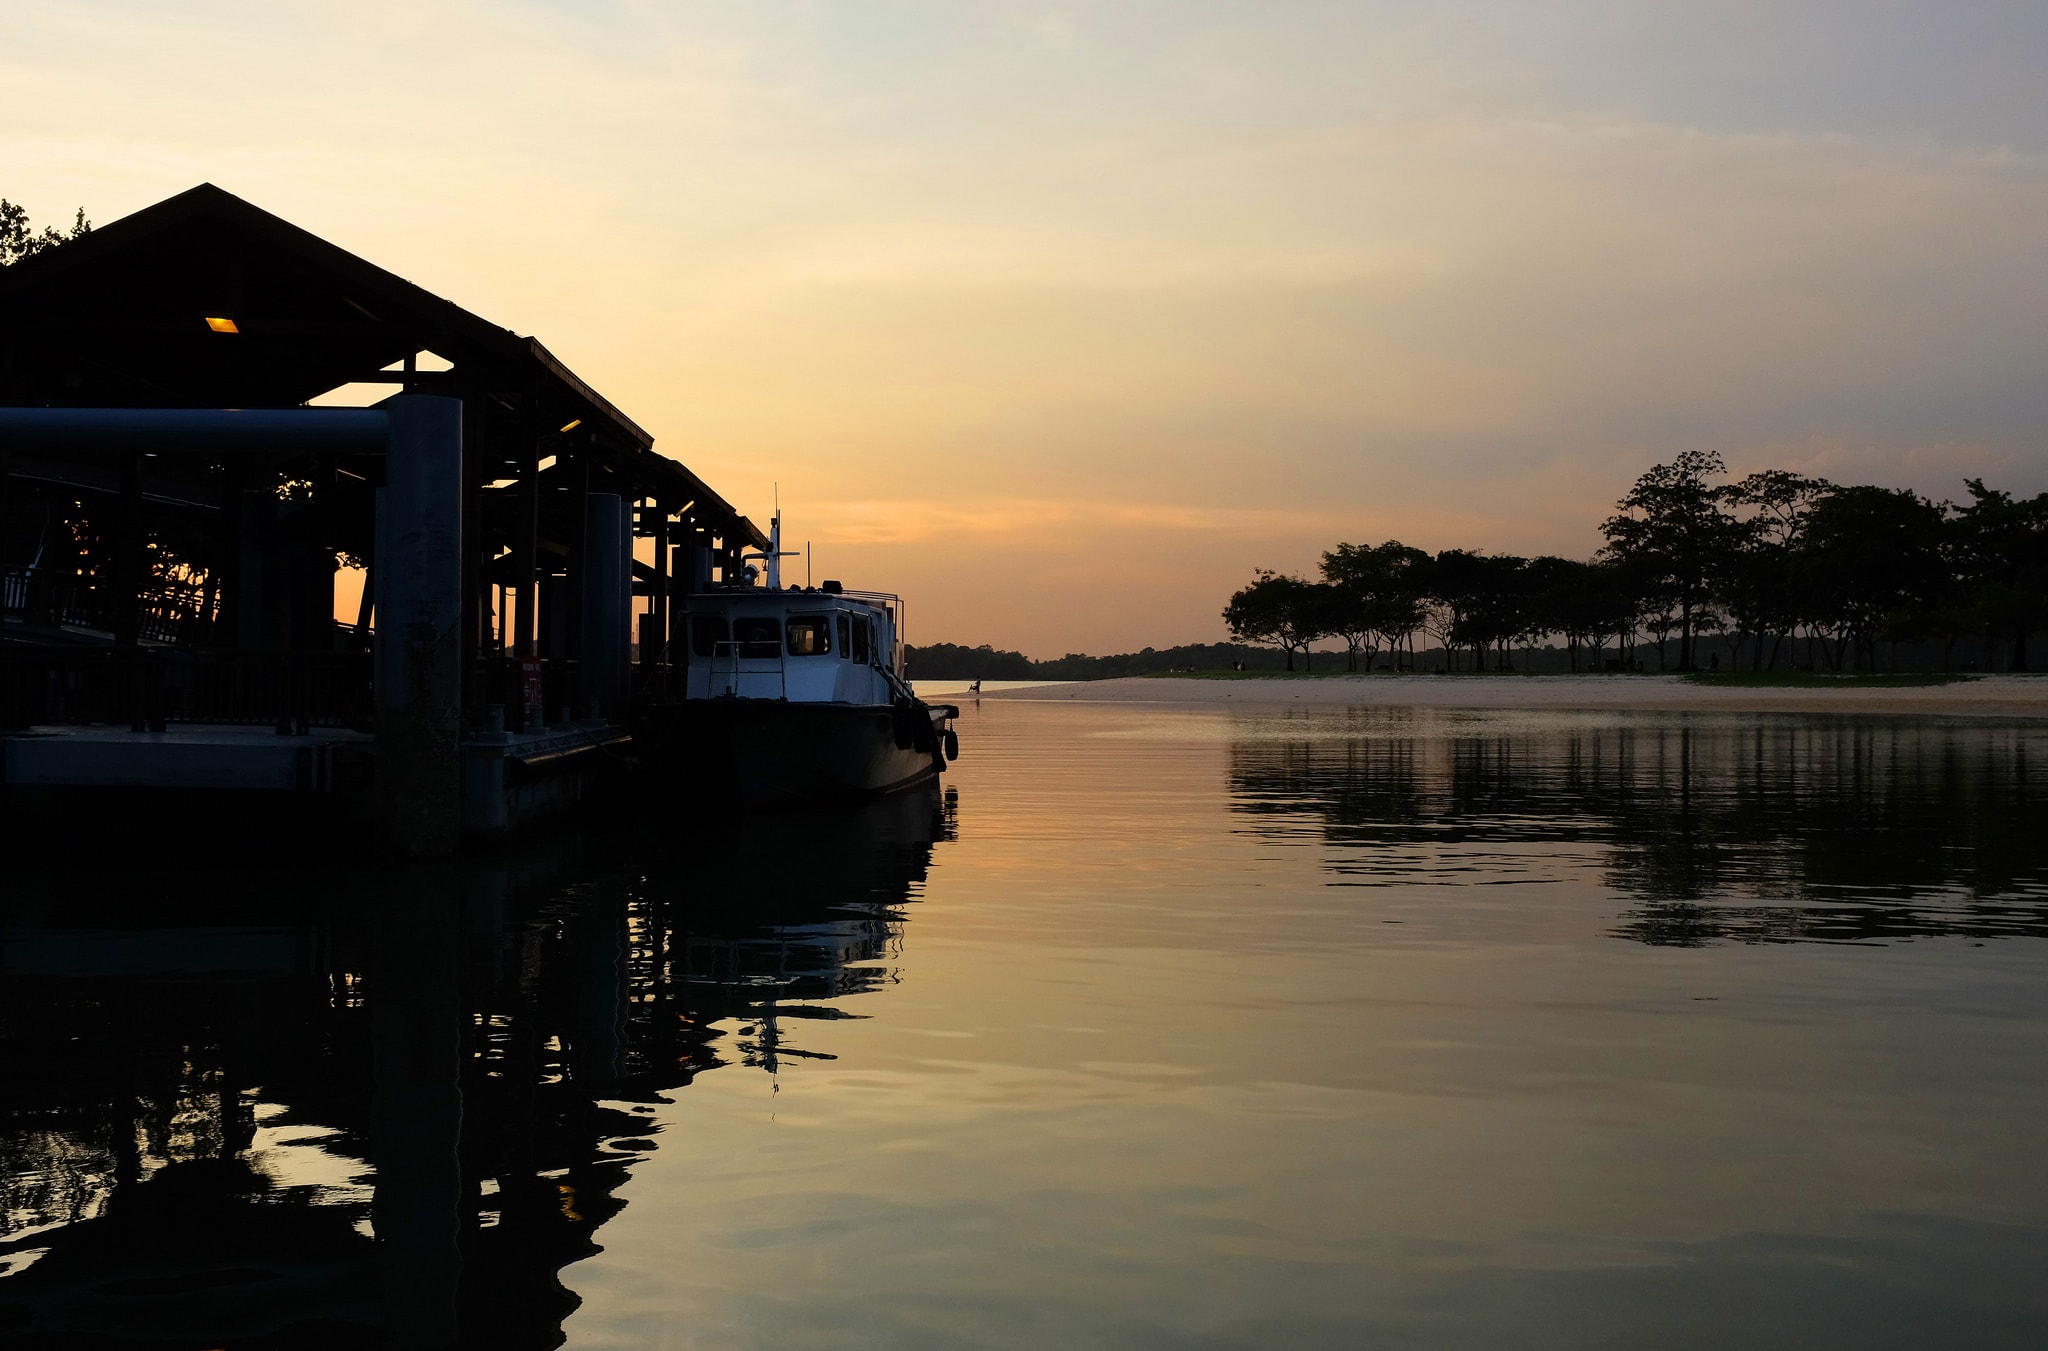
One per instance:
(954,661)
(1771,567)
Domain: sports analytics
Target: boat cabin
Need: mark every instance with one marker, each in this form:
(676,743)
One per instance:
(821,645)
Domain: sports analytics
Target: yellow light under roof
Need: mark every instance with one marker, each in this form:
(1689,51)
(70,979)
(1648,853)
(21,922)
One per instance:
(573,425)
(222,325)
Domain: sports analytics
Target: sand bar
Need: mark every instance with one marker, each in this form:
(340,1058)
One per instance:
(2004,696)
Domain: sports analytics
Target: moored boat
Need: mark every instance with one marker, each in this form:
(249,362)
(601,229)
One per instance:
(795,695)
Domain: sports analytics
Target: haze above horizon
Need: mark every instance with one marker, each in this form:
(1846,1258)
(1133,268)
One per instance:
(1061,318)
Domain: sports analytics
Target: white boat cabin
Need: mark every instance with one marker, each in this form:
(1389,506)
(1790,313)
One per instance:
(805,645)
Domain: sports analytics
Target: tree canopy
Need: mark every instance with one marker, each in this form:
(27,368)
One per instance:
(1773,565)
(19,240)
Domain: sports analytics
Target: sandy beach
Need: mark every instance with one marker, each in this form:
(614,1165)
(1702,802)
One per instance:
(2004,696)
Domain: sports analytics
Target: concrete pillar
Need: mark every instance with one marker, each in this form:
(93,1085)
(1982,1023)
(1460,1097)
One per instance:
(701,561)
(625,604)
(658,592)
(256,595)
(529,548)
(607,600)
(128,578)
(419,614)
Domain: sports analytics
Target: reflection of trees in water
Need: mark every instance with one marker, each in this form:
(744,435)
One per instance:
(210,1105)
(1774,829)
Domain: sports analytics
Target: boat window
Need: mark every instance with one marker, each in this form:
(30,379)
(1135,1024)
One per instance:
(860,639)
(810,635)
(706,633)
(845,636)
(758,636)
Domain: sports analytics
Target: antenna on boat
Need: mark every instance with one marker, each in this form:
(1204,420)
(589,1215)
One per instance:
(776,553)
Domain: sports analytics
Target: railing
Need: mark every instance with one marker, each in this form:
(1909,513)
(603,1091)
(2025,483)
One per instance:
(730,648)
(166,612)
(37,598)
(147,688)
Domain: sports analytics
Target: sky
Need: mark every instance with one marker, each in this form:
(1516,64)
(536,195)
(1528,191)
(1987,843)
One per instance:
(1061,318)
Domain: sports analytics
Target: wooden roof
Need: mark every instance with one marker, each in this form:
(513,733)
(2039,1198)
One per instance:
(119,318)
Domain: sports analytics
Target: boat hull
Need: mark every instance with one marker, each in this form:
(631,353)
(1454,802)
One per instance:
(766,751)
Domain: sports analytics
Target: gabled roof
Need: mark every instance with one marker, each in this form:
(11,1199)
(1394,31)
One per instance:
(130,300)
(119,318)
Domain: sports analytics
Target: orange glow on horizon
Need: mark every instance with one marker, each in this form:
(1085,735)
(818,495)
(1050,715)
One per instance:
(1061,331)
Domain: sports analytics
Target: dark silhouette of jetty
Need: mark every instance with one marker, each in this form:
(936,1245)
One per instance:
(173,514)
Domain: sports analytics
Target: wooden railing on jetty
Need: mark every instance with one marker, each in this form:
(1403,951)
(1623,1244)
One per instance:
(147,688)
(166,611)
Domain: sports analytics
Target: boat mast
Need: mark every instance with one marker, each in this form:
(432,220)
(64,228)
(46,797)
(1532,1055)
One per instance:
(775,554)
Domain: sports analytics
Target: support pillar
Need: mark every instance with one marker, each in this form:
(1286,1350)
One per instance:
(418,576)
(607,599)
(703,561)
(258,587)
(529,549)
(651,662)
(125,586)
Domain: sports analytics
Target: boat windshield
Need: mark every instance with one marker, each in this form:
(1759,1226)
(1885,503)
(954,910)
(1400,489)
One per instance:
(758,636)
(810,635)
(706,633)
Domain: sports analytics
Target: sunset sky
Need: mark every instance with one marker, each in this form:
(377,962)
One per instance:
(1061,318)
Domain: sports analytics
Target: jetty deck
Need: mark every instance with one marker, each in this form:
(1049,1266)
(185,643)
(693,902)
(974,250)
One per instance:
(178,498)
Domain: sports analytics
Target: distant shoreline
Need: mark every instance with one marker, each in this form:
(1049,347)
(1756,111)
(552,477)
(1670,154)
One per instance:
(2009,696)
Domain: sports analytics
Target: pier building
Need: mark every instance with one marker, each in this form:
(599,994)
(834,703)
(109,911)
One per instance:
(178,497)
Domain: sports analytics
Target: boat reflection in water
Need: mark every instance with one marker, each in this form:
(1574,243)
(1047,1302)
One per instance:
(1747,829)
(297,1106)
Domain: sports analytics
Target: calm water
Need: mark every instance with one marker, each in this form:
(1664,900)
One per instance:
(1154,1030)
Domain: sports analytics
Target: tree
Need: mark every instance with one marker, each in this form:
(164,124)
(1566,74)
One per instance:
(1277,611)
(1566,596)
(1619,610)
(1400,611)
(18,240)
(1675,533)
(1457,585)
(1347,613)
(2000,552)
(1757,586)
(1865,555)
(1497,610)
(1378,594)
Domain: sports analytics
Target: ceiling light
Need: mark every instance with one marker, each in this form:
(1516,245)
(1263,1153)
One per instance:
(573,425)
(222,325)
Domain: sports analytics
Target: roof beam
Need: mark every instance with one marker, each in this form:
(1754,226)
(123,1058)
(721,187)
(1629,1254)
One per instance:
(359,431)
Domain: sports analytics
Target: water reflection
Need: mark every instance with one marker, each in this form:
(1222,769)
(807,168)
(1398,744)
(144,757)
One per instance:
(281,1106)
(1747,830)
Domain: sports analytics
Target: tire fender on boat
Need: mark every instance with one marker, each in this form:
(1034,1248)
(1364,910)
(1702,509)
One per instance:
(952,744)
